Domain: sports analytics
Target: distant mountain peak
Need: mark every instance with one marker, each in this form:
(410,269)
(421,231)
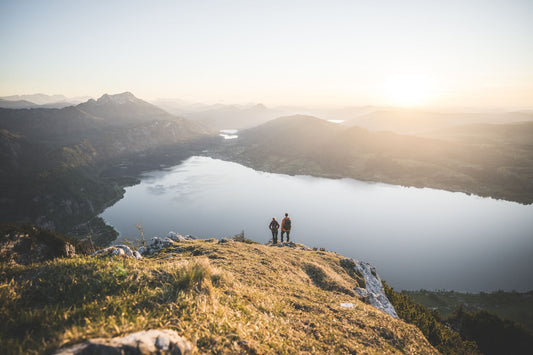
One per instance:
(123,98)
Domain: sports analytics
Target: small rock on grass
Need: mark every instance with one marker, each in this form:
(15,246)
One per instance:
(153,341)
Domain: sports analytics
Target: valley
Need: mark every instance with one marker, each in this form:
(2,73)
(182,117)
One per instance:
(63,167)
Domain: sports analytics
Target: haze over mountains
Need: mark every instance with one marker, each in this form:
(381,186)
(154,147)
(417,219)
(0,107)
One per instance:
(239,116)
(39,100)
(99,146)
(221,116)
(496,160)
(417,121)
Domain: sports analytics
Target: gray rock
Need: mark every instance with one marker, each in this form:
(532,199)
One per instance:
(155,244)
(178,237)
(153,341)
(287,244)
(118,250)
(374,293)
(127,251)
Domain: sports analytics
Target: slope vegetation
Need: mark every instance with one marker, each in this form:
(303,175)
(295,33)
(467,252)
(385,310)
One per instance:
(228,297)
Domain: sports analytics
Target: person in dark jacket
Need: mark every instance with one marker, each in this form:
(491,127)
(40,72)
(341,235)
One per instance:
(286,226)
(274,226)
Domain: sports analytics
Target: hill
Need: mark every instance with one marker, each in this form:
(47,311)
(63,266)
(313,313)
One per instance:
(17,104)
(514,306)
(499,322)
(224,297)
(123,109)
(61,167)
(501,168)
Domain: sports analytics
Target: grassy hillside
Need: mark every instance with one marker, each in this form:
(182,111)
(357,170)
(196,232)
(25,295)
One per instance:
(225,298)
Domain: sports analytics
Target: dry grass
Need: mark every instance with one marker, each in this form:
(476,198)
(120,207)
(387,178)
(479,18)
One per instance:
(225,298)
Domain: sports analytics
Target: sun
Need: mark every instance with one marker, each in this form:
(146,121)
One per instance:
(407,91)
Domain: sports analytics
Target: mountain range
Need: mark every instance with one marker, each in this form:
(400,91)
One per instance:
(60,166)
(220,116)
(119,121)
(39,101)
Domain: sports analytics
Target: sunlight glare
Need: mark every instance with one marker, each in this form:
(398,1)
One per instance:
(407,91)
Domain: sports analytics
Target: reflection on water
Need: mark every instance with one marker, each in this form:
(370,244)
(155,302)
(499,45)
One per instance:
(229,133)
(417,238)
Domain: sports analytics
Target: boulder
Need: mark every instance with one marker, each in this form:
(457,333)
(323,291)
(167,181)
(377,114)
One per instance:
(178,237)
(118,250)
(152,341)
(156,243)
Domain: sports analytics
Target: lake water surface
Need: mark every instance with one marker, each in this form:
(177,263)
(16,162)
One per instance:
(416,238)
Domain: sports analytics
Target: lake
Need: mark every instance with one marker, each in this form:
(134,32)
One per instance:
(416,238)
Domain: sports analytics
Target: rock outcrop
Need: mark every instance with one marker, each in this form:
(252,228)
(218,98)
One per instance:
(151,246)
(118,250)
(141,343)
(156,243)
(374,293)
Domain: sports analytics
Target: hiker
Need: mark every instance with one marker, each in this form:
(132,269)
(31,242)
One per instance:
(274,226)
(286,227)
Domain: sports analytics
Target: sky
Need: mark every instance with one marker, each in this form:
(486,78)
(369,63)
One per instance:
(450,53)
